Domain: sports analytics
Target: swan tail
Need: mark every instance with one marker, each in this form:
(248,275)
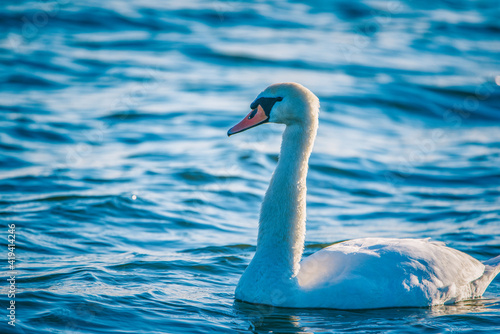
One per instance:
(491,270)
(494,262)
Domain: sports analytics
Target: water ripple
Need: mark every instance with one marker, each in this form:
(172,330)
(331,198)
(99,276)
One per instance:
(134,211)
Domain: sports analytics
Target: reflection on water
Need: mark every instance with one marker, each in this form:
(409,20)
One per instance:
(266,319)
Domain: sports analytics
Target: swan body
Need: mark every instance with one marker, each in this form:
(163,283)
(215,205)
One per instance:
(354,274)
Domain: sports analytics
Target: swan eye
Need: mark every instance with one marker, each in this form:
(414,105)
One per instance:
(266,103)
(252,114)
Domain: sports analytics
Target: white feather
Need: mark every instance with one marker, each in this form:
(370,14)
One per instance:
(355,274)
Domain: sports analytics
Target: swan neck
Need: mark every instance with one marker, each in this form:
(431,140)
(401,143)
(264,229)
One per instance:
(283,213)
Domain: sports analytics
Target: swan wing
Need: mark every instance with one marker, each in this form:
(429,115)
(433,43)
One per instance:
(375,272)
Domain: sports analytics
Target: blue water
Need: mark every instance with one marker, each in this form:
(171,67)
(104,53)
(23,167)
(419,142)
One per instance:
(134,212)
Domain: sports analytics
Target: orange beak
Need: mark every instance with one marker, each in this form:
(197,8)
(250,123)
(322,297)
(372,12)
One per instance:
(255,117)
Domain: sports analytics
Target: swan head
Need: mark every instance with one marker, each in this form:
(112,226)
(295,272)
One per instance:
(286,103)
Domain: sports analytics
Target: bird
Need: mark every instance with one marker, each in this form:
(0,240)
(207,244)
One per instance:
(366,273)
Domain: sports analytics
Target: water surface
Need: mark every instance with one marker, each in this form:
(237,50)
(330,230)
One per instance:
(135,213)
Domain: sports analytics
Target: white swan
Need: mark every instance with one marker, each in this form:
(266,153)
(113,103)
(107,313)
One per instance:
(355,274)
